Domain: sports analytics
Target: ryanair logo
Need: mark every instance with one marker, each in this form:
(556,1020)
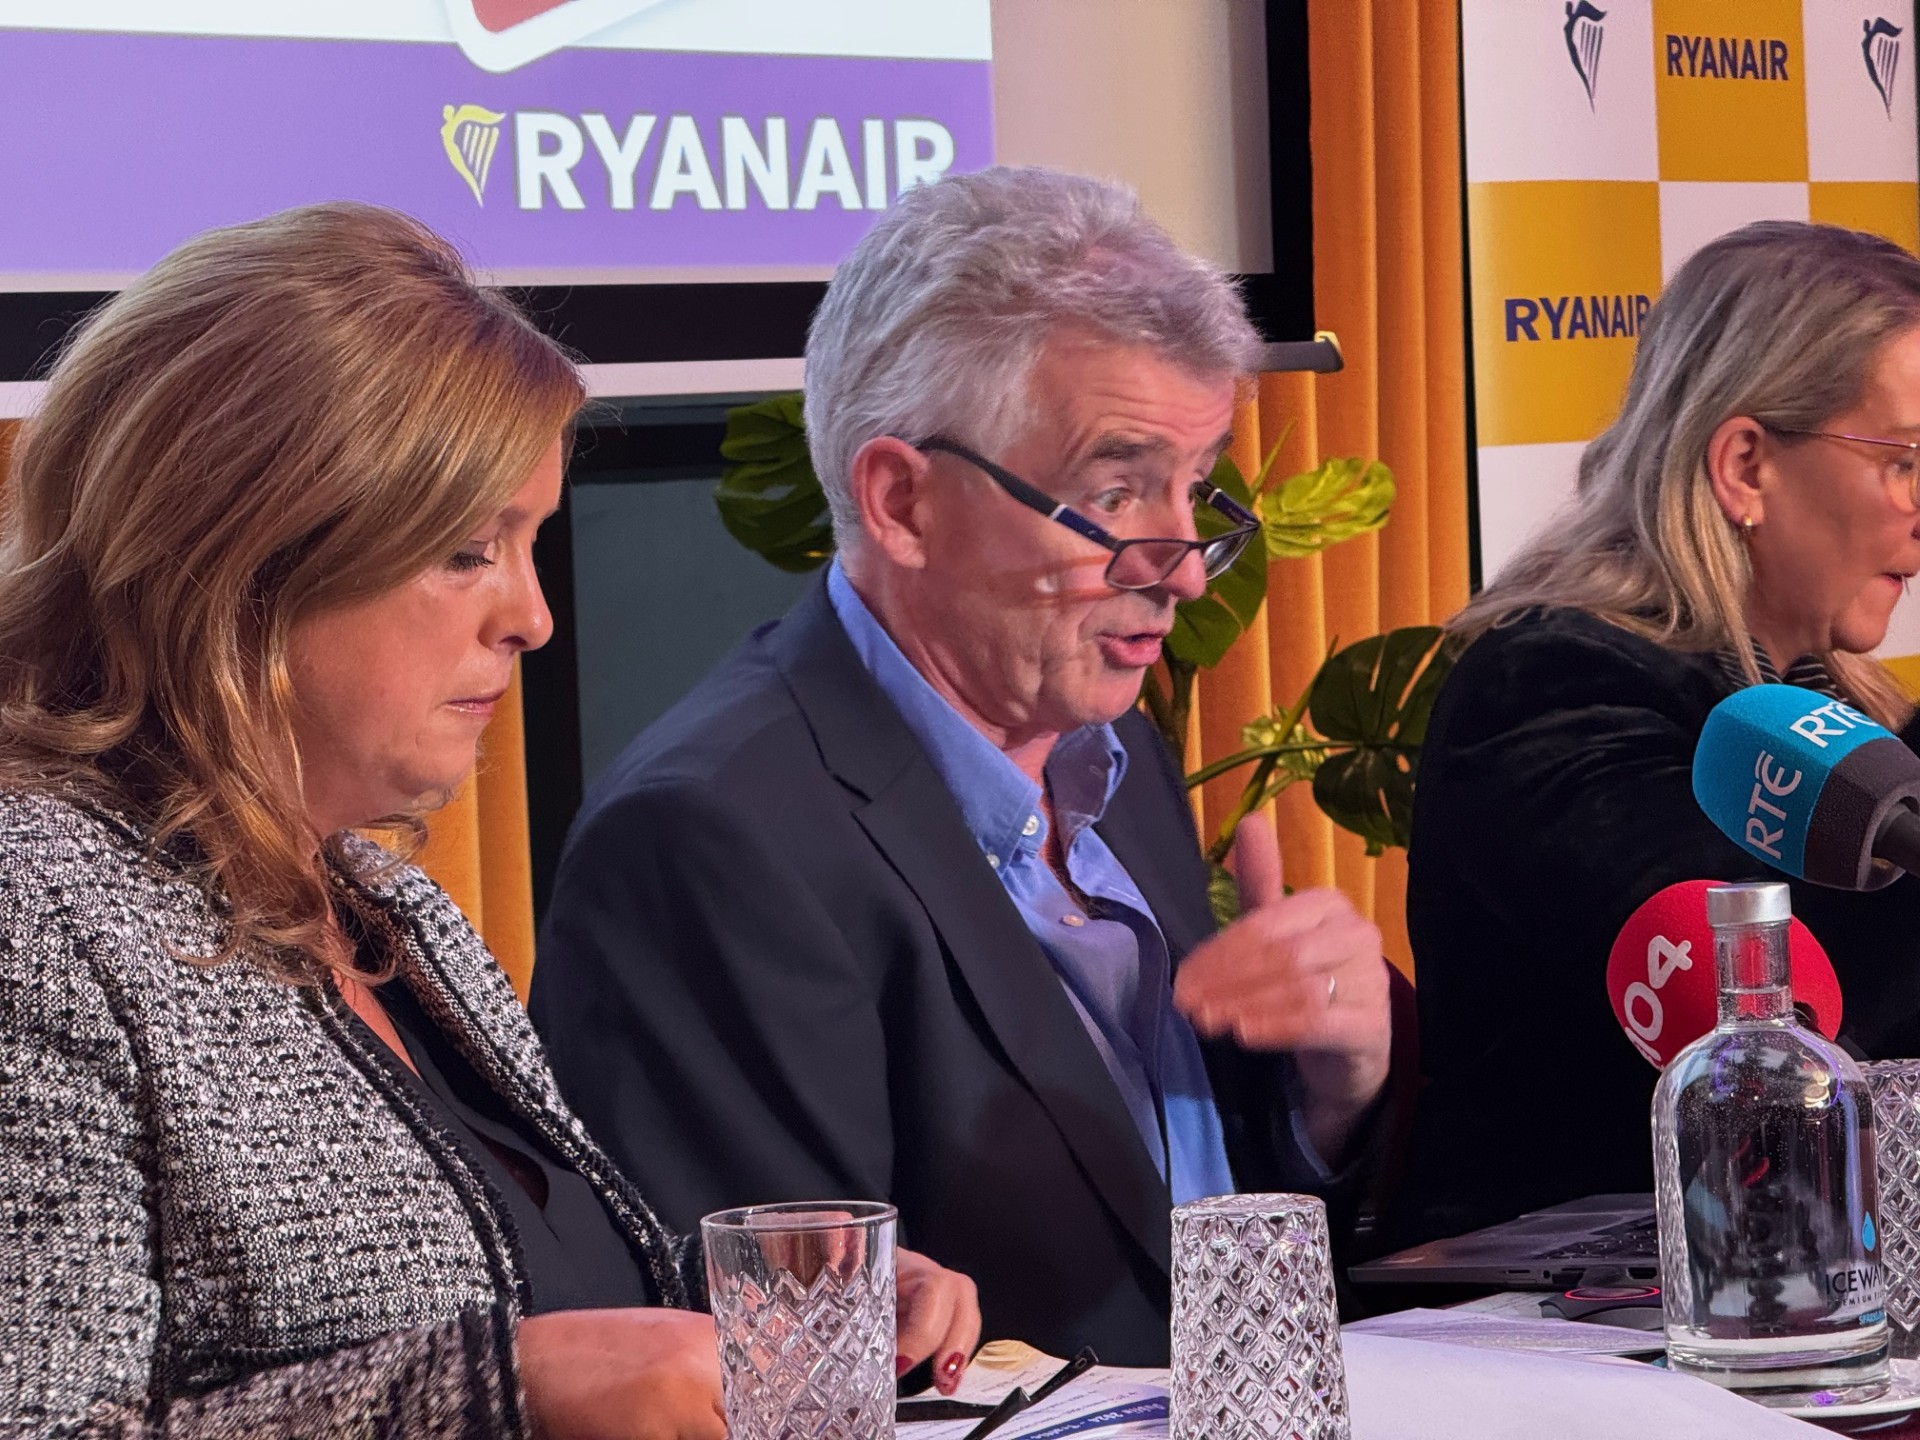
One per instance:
(1880,48)
(1726,57)
(660,161)
(1575,317)
(471,135)
(1584,32)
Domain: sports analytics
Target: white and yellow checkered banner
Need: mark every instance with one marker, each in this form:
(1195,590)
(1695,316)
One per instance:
(1605,143)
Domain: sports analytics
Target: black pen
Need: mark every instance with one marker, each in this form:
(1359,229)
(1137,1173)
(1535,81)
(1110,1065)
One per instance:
(917,1410)
(1014,1402)
(1077,1366)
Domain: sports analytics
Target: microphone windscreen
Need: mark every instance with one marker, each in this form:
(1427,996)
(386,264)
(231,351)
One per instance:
(1660,974)
(1803,782)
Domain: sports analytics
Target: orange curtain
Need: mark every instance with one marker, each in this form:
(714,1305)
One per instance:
(1388,281)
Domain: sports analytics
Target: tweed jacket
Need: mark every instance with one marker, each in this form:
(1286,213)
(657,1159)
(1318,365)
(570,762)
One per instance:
(222,1212)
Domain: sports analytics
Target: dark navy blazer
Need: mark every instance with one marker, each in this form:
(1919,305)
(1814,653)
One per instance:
(775,967)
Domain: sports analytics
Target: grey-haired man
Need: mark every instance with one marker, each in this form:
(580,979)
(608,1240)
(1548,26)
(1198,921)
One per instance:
(904,901)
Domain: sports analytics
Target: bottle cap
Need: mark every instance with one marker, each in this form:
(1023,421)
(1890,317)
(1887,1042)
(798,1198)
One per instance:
(1761,904)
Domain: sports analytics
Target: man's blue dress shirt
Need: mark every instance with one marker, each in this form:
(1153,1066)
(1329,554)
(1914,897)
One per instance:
(1110,955)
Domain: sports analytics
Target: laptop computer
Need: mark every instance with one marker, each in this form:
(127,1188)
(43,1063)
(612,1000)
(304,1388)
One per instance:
(1603,1239)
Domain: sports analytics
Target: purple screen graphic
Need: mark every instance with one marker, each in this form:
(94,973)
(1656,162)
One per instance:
(120,146)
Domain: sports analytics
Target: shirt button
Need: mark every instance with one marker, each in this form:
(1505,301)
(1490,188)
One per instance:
(993,860)
(1032,827)
(1075,920)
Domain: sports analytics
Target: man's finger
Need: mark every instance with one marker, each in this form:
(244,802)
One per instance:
(1308,934)
(1308,1028)
(1255,861)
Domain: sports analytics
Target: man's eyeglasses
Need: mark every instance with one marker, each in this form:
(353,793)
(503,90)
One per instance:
(1139,564)
(1905,469)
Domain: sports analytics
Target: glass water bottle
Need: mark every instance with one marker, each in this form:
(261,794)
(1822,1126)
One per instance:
(1765,1186)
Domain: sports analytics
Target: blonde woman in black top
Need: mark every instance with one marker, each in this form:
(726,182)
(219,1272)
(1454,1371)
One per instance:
(1752,514)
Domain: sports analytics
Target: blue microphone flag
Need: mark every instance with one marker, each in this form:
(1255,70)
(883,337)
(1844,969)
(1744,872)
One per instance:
(1801,781)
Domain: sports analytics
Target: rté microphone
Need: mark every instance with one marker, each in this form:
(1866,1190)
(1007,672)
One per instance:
(1809,785)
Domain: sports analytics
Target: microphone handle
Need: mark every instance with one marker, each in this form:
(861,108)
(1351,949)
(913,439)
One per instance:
(1898,842)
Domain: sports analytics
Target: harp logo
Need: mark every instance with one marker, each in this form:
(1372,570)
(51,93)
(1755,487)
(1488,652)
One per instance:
(471,135)
(1880,48)
(1585,29)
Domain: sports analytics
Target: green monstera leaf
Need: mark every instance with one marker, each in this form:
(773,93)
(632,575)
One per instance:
(1301,515)
(1341,498)
(1204,629)
(770,500)
(1370,703)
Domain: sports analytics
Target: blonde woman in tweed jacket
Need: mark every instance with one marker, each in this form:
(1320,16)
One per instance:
(279,1152)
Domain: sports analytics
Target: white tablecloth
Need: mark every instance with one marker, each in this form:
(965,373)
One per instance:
(1403,1389)
(1417,1390)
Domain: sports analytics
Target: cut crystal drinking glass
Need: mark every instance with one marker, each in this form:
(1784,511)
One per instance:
(1895,1086)
(1256,1337)
(803,1305)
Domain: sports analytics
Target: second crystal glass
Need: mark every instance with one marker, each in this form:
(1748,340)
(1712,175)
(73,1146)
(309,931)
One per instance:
(1256,1337)
(1896,1129)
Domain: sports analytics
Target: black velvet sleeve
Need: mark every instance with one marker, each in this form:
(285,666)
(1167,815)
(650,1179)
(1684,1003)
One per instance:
(1560,773)
(1555,795)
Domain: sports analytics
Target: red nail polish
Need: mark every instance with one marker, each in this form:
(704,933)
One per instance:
(950,1366)
(901,1364)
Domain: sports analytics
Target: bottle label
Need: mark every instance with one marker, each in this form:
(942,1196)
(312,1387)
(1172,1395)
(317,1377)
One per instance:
(1859,1289)
(1855,1290)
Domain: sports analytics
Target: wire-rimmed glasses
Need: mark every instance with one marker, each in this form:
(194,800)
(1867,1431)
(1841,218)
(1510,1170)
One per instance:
(1138,564)
(1910,481)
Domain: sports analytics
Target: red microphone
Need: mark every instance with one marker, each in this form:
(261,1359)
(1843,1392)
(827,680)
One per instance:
(1661,979)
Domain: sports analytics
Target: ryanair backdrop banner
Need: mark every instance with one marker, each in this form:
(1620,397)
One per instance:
(1606,141)
(553,139)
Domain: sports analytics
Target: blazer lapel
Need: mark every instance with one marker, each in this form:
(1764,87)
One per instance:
(912,819)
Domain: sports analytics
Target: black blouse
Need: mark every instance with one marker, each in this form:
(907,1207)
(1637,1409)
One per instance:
(573,1254)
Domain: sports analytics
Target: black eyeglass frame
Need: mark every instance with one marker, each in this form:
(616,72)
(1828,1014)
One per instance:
(1217,552)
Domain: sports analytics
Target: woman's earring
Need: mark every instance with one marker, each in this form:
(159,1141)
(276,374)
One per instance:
(1746,527)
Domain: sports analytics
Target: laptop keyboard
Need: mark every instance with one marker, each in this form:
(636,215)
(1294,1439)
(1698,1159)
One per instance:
(1639,1236)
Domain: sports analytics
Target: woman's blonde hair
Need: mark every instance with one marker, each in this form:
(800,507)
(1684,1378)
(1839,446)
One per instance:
(1779,321)
(278,418)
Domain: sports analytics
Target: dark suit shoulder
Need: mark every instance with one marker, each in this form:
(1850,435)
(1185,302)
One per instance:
(740,720)
(1148,758)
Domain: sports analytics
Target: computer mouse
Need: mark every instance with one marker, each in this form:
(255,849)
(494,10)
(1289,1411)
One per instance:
(1631,1307)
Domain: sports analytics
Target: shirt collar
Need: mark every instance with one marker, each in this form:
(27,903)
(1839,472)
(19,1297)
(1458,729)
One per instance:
(1807,671)
(998,801)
